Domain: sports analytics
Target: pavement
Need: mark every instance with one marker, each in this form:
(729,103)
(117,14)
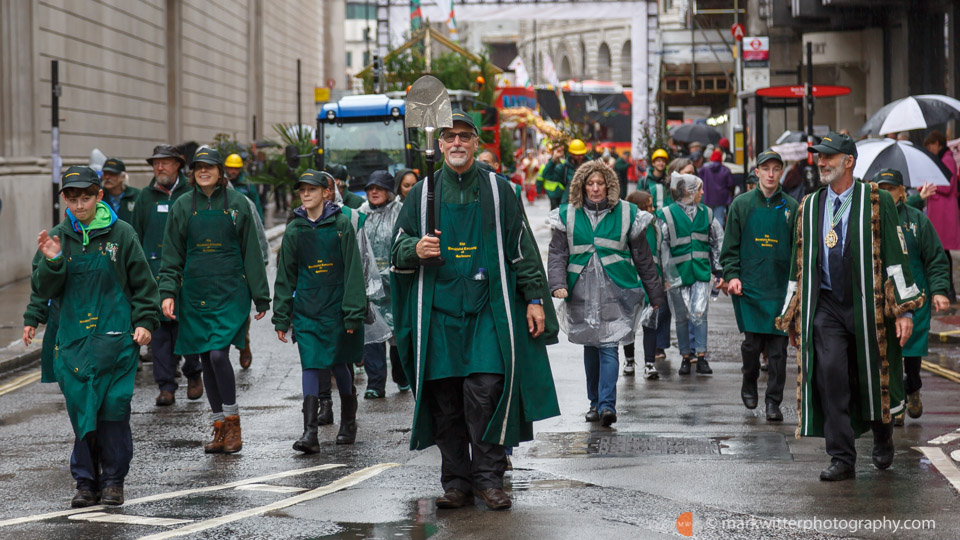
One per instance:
(684,450)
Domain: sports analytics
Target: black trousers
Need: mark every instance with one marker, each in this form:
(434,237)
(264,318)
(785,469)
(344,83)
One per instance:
(911,374)
(835,377)
(396,369)
(776,346)
(461,408)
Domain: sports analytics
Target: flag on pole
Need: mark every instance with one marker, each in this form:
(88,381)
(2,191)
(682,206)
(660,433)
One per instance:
(452,23)
(549,72)
(416,15)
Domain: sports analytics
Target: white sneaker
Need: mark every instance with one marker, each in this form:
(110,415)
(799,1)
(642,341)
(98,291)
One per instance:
(650,371)
(629,368)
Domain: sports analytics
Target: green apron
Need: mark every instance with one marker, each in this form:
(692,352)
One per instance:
(96,357)
(153,237)
(918,342)
(49,347)
(765,247)
(462,330)
(317,313)
(214,304)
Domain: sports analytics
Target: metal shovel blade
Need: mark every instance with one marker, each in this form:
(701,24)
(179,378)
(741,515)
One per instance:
(428,105)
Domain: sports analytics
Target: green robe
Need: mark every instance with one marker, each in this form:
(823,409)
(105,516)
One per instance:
(757,245)
(516,275)
(930,269)
(883,288)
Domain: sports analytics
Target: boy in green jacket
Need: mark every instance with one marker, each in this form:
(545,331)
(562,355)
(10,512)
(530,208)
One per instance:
(93,263)
(320,291)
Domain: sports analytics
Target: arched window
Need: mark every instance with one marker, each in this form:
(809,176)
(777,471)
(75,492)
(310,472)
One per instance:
(564,72)
(583,60)
(603,63)
(626,67)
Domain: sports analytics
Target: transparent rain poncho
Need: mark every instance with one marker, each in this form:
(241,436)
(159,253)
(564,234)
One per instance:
(688,302)
(375,327)
(598,311)
(379,232)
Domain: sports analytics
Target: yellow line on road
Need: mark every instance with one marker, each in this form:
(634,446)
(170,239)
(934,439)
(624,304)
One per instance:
(942,463)
(941,371)
(170,495)
(20,382)
(332,487)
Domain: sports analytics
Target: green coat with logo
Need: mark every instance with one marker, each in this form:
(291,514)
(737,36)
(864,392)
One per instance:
(509,273)
(757,245)
(128,202)
(319,290)
(149,218)
(106,290)
(213,269)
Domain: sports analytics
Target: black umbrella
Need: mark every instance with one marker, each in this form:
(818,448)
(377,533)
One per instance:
(687,133)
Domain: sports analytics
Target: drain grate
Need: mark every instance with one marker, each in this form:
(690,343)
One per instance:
(643,445)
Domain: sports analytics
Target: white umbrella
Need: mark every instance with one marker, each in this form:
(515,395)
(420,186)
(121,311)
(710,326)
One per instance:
(791,151)
(916,164)
(913,112)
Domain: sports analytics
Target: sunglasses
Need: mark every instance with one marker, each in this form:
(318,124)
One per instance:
(464,136)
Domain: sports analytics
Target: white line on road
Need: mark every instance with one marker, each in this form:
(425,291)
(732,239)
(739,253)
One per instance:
(20,382)
(947,438)
(955,455)
(942,463)
(271,489)
(336,485)
(171,495)
(126,519)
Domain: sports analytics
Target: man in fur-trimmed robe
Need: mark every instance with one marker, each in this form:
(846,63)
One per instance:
(850,302)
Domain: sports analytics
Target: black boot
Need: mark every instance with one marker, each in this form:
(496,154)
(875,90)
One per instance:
(325,416)
(309,443)
(684,366)
(348,419)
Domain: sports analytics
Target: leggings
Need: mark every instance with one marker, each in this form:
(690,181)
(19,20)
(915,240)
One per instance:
(218,379)
(316,382)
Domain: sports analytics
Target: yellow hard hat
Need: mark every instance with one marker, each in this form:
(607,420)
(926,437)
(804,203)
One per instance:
(233,160)
(658,153)
(577,148)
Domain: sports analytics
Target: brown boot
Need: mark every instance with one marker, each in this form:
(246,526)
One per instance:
(231,435)
(246,356)
(165,399)
(195,388)
(216,445)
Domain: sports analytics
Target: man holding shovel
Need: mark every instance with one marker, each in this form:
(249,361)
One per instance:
(472,328)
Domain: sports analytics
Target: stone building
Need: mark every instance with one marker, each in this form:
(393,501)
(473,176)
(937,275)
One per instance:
(137,73)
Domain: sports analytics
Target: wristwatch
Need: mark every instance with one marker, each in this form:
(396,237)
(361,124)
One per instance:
(538,301)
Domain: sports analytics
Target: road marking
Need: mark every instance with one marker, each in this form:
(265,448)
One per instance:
(170,495)
(271,489)
(332,487)
(126,519)
(20,382)
(941,371)
(942,463)
(944,439)
(955,455)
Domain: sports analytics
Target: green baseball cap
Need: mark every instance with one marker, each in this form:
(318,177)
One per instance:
(207,155)
(767,155)
(114,165)
(835,143)
(460,116)
(888,176)
(316,178)
(79,177)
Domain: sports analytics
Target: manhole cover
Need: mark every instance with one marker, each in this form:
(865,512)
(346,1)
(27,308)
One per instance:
(643,445)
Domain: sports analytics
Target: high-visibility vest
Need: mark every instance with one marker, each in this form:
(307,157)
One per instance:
(689,242)
(608,242)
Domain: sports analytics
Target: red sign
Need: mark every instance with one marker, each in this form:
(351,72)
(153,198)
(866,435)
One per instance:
(796,91)
(331,83)
(757,50)
(737,30)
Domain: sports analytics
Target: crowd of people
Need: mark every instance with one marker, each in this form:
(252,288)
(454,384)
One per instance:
(462,314)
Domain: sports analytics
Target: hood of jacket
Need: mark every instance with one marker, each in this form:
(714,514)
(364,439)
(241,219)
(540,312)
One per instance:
(578,184)
(329,209)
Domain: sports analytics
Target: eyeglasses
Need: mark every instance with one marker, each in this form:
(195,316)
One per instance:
(465,136)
